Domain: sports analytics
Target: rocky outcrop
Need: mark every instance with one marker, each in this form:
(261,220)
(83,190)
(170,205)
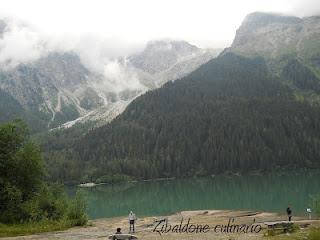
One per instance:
(272,36)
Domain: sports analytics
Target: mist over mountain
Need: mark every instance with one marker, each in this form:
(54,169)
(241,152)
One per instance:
(253,108)
(161,55)
(65,85)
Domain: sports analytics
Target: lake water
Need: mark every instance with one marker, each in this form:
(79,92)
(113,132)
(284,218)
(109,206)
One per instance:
(271,192)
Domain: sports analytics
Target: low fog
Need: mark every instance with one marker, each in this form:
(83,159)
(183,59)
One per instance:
(305,8)
(100,32)
(20,43)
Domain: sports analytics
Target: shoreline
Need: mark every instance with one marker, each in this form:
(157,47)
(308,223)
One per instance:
(93,184)
(102,227)
(297,215)
(226,174)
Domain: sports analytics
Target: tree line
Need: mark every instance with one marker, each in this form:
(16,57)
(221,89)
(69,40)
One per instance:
(230,115)
(25,196)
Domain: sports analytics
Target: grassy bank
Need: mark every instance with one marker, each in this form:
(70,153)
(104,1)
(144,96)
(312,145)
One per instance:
(11,230)
(306,234)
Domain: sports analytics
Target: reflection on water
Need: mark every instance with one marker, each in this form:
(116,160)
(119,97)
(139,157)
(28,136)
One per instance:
(265,193)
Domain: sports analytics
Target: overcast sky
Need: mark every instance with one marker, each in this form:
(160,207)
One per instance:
(206,23)
(99,31)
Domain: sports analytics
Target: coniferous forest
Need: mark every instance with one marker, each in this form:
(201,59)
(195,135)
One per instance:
(230,115)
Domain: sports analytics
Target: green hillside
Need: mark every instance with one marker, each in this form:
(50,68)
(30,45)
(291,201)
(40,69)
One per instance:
(229,115)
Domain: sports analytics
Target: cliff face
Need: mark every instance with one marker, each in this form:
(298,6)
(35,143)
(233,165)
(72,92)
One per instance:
(290,47)
(272,36)
(51,87)
(159,56)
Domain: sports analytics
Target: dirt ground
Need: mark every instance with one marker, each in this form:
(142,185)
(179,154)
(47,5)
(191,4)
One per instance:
(146,228)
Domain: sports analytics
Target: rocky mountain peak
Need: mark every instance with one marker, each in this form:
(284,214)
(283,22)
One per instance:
(273,35)
(160,55)
(181,47)
(261,19)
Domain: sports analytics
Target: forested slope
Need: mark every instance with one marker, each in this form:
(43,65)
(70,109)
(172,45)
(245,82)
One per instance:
(229,115)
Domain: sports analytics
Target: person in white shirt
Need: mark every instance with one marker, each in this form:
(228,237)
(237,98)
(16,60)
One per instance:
(132,219)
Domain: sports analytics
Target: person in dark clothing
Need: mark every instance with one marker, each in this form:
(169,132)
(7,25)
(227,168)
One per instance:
(118,232)
(289,212)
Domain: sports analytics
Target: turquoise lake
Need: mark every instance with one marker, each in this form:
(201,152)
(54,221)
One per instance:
(272,192)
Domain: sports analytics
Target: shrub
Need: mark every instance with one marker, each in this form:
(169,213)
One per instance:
(76,212)
(314,234)
(50,203)
(24,195)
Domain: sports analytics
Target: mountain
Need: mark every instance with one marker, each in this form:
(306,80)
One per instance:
(161,61)
(290,47)
(229,115)
(58,89)
(54,88)
(279,39)
(159,56)
(273,35)
(250,109)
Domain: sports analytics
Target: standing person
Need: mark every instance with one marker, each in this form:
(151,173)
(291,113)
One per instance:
(289,212)
(132,219)
(309,212)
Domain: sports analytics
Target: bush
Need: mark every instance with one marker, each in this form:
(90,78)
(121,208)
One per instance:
(10,199)
(50,203)
(25,198)
(314,234)
(76,212)
(21,171)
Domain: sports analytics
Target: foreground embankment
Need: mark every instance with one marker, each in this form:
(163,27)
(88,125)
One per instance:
(205,225)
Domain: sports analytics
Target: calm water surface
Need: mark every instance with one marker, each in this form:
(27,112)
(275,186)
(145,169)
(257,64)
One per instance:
(264,193)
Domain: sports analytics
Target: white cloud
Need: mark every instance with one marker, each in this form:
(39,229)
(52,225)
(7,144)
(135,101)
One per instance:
(202,22)
(305,8)
(119,78)
(102,30)
(99,31)
(20,44)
